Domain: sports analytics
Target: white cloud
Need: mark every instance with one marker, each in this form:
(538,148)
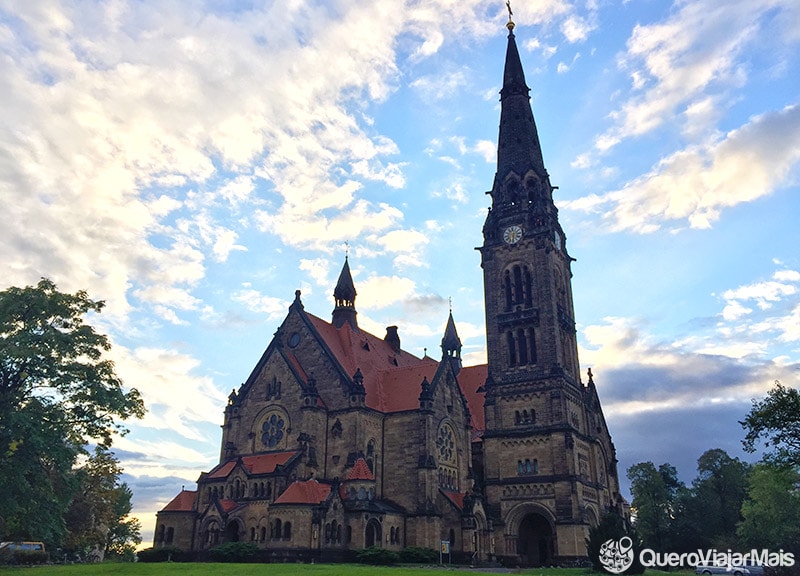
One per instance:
(176,400)
(684,62)
(381,291)
(696,184)
(576,29)
(255,301)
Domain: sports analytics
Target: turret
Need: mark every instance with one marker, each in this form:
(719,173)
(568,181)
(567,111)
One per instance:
(344,296)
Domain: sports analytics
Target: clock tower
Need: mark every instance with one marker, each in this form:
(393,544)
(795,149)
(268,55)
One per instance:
(549,463)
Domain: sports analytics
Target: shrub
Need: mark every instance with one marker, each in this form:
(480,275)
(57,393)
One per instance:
(233,552)
(612,527)
(164,554)
(23,557)
(378,556)
(417,555)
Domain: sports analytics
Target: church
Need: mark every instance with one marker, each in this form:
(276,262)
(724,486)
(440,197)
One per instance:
(341,440)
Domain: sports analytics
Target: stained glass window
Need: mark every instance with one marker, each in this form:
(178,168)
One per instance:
(272,430)
(446,444)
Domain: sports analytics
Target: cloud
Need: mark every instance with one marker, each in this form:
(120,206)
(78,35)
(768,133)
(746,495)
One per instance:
(694,185)
(377,292)
(682,62)
(576,29)
(255,301)
(176,399)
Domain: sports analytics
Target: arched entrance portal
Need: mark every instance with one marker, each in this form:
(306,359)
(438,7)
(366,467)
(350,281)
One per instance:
(232,531)
(535,541)
(372,537)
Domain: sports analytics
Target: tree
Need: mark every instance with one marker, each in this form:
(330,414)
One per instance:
(706,514)
(776,421)
(771,513)
(654,492)
(58,393)
(97,517)
(612,527)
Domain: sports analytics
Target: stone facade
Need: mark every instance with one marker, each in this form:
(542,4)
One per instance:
(341,440)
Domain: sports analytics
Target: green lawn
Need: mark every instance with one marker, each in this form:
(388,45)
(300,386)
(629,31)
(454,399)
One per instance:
(208,569)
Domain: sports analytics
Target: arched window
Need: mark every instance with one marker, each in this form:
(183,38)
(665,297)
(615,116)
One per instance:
(512,348)
(528,466)
(523,346)
(507,289)
(532,344)
(370,459)
(276,529)
(535,466)
(528,283)
(170,535)
(349,534)
(327,532)
(452,538)
(339,534)
(519,297)
(263,534)
(520,467)
(252,534)
(517,418)
(160,535)
(287,530)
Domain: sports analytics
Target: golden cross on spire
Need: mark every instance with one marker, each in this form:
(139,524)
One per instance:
(510,24)
(346,248)
(450,299)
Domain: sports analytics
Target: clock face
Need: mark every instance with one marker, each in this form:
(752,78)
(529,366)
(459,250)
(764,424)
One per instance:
(512,234)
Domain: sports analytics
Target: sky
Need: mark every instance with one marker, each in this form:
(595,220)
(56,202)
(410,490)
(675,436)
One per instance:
(193,163)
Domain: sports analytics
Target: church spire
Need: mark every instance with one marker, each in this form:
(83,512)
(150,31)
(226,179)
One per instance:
(451,344)
(518,144)
(344,296)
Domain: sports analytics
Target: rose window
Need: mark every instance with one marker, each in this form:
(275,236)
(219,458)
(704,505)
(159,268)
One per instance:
(272,430)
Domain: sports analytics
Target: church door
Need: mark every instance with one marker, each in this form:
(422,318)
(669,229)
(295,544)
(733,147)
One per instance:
(232,532)
(535,541)
(372,537)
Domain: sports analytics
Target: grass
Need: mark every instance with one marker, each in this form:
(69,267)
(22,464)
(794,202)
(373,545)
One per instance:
(210,569)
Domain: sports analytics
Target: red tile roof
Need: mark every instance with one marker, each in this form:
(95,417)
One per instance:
(183,502)
(256,464)
(227,505)
(304,492)
(457,498)
(360,471)
(470,379)
(392,379)
(223,470)
(266,463)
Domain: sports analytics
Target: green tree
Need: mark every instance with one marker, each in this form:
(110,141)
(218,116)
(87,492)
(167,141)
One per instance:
(775,420)
(771,512)
(706,514)
(612,527)
(58,392)
(97,517)
(654,492)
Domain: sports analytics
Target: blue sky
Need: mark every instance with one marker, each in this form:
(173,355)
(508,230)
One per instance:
(194,163)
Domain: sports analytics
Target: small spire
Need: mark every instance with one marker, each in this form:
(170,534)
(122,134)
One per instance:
(451,344)
(344,296)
